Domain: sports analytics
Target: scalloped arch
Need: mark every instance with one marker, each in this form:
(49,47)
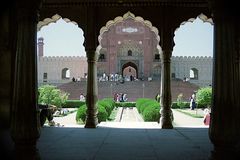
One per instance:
(201,16)
(124,17)
(53,19)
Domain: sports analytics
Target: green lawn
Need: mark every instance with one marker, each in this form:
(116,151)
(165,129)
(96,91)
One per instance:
(197,113)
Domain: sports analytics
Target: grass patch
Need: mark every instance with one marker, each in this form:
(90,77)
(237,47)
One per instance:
(189,113)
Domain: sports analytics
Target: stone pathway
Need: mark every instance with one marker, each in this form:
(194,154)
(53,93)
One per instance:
(67,121)
(182,120)
(128,114)
(132,119)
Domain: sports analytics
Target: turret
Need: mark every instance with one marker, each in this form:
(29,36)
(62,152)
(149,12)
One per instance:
(40,47)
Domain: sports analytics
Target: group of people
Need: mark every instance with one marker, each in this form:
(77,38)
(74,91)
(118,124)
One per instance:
(116,77)
(76,79)
(111,77)
(122,97)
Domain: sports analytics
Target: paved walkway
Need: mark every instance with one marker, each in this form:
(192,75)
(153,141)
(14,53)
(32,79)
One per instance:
(132,119)
(67,121)
(128,114)
(133,143)
(183,120)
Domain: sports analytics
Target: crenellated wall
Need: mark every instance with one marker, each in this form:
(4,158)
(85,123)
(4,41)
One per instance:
(53,66)
(180,66)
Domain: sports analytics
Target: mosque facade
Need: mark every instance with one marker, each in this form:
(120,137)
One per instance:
(128,47)
(62,69)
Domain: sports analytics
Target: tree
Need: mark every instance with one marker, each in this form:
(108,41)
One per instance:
(49,94)
(180,102)
(204,97)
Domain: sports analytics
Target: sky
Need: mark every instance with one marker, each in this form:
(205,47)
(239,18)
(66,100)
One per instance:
(66,39)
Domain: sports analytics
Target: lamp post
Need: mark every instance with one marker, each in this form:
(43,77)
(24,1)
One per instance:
(143,85)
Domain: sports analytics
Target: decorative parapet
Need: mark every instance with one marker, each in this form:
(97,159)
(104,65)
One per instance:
(63,58)
(192,58)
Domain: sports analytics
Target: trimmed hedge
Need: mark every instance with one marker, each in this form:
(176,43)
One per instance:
(185,105)
(139,103)
(81,113)
(73,104)
(102,114)
(125,104)
(105,107)
(151,113)
(149,108)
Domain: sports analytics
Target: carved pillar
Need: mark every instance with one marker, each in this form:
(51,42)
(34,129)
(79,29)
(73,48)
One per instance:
(25,126)
(92,87)
(166,97)
(92,91)
(224,128)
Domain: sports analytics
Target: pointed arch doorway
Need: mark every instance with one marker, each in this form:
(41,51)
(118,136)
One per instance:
(130,71)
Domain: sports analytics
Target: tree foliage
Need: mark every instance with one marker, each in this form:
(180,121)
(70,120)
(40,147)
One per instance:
(180,102)
(50,94)
(204,97)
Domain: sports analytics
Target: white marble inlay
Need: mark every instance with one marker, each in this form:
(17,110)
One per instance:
(129,30)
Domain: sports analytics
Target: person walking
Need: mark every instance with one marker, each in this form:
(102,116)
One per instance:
(192,102)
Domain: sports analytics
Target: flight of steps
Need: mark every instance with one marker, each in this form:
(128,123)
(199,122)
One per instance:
(133,89)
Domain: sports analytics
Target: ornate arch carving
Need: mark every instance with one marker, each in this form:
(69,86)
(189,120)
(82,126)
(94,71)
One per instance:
(53,19)
(122,18)
(201,16)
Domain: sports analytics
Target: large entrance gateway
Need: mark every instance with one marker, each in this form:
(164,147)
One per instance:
(129,46)
(130,59)
(130,71)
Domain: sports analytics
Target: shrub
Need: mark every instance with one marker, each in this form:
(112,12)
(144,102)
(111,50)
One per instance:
(151,113)
(204,97)
(81,113)
(102,114)
(149,108)
(49,94)
(73,104)
(125,104)
(184,105)
(106,105)
(149,102)
(139,103)
(180,102)
(174,105)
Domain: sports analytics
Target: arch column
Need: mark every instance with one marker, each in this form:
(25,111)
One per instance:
(165,92)
(224,128)
(92,87)
(92,91)
(25,124)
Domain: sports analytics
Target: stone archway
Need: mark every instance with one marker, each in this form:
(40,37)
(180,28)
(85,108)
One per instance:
(193,73)
(129,69)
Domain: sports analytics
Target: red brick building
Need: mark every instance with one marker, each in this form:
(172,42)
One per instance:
(129,47)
